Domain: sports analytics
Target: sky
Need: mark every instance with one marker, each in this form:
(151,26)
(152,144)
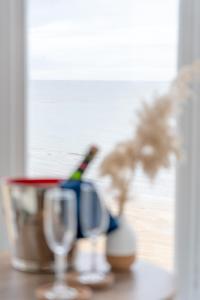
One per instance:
(102,39)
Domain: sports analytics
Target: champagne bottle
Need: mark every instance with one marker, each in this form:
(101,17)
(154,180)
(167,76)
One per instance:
(77,174)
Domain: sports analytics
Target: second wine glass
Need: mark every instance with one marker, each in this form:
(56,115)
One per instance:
(94,221)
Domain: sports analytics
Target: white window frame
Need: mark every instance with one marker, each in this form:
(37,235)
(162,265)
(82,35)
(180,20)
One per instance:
(188,172)
(13,130)
(12,88)
(12,94)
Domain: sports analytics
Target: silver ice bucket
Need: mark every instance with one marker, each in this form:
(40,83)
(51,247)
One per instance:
(23,202)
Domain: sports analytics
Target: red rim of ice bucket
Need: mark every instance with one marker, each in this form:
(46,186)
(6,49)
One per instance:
(34,181)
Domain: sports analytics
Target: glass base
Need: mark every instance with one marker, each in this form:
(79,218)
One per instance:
(91,277)
(60,292)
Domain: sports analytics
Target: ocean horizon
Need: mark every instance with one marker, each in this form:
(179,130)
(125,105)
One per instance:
(65,117)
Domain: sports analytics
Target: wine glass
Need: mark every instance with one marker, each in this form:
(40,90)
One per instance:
(60,225)
(94,221)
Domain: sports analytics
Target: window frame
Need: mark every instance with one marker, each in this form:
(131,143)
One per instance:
(187,236)
(12,88)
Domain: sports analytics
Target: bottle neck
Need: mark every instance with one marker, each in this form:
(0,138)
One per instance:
(77,174)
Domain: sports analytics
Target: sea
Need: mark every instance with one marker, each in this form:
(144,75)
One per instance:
(66,117)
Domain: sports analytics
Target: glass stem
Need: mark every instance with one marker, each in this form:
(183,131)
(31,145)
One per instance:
(60,266)
(94,259)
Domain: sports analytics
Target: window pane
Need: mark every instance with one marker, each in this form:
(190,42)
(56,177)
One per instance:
(91,63)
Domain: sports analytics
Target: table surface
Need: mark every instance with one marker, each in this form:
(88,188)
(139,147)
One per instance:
(144,282)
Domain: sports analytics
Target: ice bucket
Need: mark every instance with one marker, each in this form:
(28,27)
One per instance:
(23,202)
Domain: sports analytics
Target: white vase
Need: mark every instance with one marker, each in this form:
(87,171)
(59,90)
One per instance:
(121,247)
